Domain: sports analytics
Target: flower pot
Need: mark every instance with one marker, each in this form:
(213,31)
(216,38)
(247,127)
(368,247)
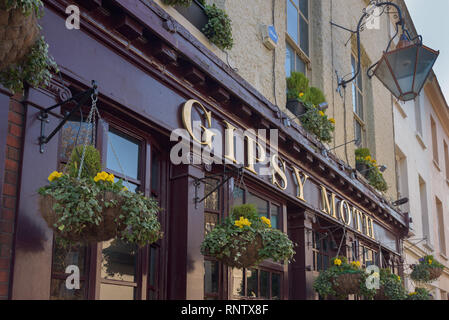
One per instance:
(18,33)
(380,294)
(194,13)
(362,167)
(347,283)
(435,273)
(106,230)
(249,258)
(296,107)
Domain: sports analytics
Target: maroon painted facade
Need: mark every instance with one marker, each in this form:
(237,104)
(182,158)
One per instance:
(142,86)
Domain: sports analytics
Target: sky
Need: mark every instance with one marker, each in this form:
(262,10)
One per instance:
(431,19)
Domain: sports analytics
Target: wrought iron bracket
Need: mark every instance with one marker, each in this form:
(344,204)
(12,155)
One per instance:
(198,181)
(80,98)
(401,22)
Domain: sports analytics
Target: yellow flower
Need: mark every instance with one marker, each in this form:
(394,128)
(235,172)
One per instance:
(399,278)
(356,263)
(266,221)
(103,176)
(322,113)
(125,189)
(301,94)
(430,261)
(337,262)
(54,175)
(332,120)
(110,178)
(242,222)
(368,158)
(412,293)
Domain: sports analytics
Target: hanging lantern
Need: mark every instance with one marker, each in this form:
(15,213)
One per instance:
(405,70)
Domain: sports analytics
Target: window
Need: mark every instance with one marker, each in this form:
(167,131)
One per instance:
(446,160)
(265,281)
(418,115)
(321,251)
(212,210)
(112,269)
(297,51)
(424,209)
(441,232)
(256,283)
(402,177)
(357,103)
(434,140)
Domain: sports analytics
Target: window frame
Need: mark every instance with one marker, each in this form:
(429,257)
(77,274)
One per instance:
(297,50)
(359,115)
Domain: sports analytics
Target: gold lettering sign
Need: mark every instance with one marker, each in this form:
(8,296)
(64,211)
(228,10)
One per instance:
(187,121)
(277,170)
(326,206)
(229,142)
(345,213)
(252,147)
(301,183)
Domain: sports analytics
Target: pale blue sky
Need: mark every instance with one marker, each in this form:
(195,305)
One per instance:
(431,19)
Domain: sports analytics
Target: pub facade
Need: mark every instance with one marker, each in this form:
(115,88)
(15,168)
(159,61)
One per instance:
(155,79)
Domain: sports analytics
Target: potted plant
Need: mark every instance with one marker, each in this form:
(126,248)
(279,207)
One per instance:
(368,167)
(297,85)
(317,122)
(192,10)
(342,279)
(90,206)
(391,287)
(427,269)
(23,54)
(420,294)
(245,239)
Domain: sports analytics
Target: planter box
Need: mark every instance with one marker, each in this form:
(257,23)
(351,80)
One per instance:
(296,107)
(194,13)
(362,168)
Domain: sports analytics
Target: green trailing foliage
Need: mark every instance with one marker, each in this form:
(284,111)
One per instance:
(36,67)
(372,173)
(420,294)
(422,271)
(184,3)
(91,164)
(317,122)
(218,28)
(241,227)
(80,203)
(391,285)
(327,280)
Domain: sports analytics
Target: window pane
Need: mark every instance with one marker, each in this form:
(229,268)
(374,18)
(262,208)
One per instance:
(210,221)
(304,35)
(63,257)
(274,211)
(238,284)
(116,292)
(118,260)
(210,276)
(264,284)
(212,201)
(73,134)
(238,196)
(261,205)
(127,150)
(275,286)
(300,65)
(358,132)
(252,283)
(59,291)
(289,62)
(292,21)
(304,8)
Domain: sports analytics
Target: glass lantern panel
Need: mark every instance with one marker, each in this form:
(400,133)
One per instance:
(426,60)
(384,75)
(403,62)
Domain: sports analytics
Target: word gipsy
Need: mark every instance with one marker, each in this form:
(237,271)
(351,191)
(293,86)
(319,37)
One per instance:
(207,142)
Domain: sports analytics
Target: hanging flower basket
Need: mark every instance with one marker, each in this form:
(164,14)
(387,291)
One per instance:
(245,239)
(427,270)
(342,279)
(85,205)
(347,283)
(391,287)
(18,32)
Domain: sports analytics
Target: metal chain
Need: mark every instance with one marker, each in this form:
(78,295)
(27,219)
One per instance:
(86,136)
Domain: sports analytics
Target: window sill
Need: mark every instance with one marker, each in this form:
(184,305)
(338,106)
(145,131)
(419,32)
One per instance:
(442,255)
(400,109)
(436,165)
(420,140)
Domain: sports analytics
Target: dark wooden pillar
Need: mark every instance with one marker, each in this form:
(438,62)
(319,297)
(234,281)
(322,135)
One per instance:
(300,273)
(186,226)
